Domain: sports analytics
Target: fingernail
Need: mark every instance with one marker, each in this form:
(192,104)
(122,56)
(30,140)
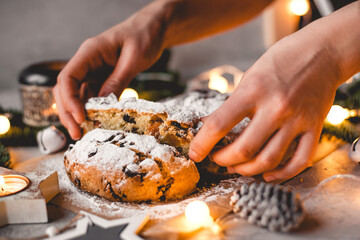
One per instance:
(193,156)
(269,178)
(74,137)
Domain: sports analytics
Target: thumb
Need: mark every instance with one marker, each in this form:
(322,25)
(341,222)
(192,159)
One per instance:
(114,84)
(206,138)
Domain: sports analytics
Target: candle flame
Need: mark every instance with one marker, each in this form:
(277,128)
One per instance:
(129,92)
(218,82)
(4,124)
(54,106)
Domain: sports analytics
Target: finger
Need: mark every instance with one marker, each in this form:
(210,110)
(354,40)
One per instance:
(217,125)
(66,118)
(300,161)
(270,157)
(126,69)
(86,59)
(250,142)
(69,91)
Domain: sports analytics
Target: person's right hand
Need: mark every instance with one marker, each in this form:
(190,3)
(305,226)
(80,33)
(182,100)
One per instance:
(127,49)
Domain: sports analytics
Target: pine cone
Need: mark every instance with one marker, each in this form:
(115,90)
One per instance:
(274,207)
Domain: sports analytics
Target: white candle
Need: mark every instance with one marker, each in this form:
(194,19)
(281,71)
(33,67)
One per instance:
(278,22)
(10,184)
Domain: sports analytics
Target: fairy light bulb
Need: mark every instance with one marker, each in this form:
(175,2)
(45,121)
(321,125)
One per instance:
(129,92)
(198,213)
(4,124)
(337,114)
(299,7)
(218,82)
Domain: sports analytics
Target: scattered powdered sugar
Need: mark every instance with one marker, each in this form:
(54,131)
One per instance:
(74,199)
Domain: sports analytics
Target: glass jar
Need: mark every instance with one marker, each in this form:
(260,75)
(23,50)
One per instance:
(36,84)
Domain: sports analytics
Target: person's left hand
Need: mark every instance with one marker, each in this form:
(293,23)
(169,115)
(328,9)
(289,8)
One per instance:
(287,94)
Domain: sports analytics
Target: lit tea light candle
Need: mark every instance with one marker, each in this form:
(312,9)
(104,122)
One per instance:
(129,92)
(4,124)
(198,213)
(10,184)
(218,82)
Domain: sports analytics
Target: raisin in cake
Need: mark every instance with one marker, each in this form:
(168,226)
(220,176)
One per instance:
(172,125)
(122,166)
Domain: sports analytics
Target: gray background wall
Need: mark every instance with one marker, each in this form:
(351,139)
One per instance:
(38,30)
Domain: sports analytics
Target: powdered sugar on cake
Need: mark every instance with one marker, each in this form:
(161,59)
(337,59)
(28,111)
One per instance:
(203,103)
(121,166)
(94,150)
(185,108)
(111,102)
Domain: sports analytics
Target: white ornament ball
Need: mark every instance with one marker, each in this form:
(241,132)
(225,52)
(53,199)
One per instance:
(51,231)
(50,140)
(354,152)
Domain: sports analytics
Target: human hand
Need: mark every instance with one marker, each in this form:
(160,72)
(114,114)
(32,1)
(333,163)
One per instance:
(123,51)
(287,94)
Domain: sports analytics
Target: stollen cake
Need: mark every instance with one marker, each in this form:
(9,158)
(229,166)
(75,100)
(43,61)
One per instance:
(122,166)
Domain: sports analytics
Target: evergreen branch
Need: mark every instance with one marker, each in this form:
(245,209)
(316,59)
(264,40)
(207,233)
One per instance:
(4,157)
(345,131)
